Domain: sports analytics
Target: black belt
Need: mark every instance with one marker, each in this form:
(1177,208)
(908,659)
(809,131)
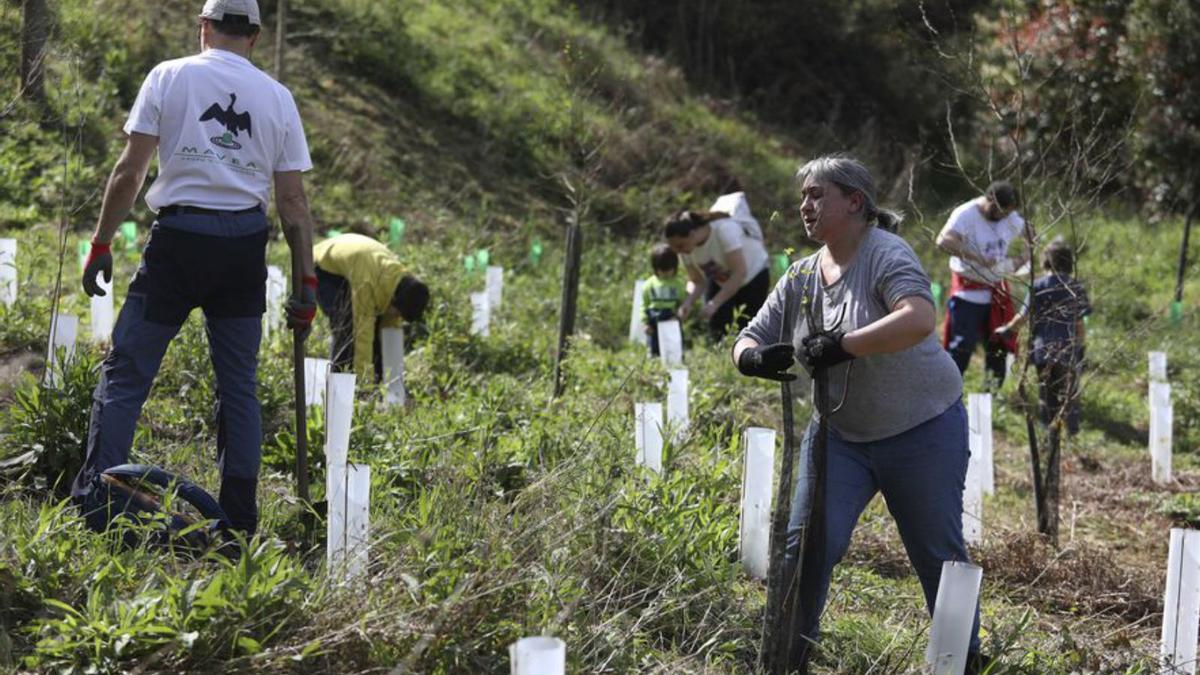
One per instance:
(181,209)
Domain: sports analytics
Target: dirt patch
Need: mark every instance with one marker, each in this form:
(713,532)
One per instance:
(15,363)
(1110,556)
(1079,578)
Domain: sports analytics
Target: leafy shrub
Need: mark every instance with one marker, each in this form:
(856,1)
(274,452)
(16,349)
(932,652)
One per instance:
(47,425)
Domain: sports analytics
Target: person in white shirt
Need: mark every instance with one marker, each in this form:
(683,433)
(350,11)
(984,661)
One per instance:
(224,132)
(977,236)
(725,261)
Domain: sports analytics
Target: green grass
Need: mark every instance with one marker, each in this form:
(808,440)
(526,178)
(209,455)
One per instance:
(498,512)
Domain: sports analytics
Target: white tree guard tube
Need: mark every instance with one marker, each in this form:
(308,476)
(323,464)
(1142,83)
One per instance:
(357,520)
(315,372)
(758,473)
(8,271)
(276,292)
(339,415)
(336,502)
(481,314)
(64,329)
(670,343)
(972,516)
(648,422)
(677,403)
(538,656)
(1181,603)
(953,618)
(495,286)
(347,525)
(637,317)
(979,414)
(1158,366)
(102,311)
(1161,412)
(392,340)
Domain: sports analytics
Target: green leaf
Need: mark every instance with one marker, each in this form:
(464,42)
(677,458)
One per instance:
(248,645)
(67,609)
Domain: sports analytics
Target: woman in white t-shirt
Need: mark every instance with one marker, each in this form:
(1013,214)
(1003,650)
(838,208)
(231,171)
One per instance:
(725,262)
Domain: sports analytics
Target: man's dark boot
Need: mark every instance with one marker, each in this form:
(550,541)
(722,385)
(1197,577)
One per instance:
(240,502)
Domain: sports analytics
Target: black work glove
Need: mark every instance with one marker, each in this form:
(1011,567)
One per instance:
(99,260)
(823,350)
(411,298)
(768,361)
(302,308)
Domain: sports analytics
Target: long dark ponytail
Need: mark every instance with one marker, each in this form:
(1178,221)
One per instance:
(682,223)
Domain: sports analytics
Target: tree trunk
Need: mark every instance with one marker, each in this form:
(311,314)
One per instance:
(1045,476)
(35,38)
(1048,516)
(570,296)
(1183,251)
(280,37)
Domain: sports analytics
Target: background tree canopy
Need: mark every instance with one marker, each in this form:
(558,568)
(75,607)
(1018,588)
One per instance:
(1041,72)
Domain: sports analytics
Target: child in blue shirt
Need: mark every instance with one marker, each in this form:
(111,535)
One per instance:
(1058,303)
(662,293)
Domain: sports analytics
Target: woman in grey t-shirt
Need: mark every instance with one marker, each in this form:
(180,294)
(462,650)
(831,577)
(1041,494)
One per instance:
(898,425)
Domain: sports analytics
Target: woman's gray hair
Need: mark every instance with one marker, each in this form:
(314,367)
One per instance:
(850,175)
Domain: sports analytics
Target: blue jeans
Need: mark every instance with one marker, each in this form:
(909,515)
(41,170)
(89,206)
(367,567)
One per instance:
(968,323)
(921,473)
(181,270)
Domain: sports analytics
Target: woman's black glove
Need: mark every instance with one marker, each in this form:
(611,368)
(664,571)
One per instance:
(768,361)
(823,350)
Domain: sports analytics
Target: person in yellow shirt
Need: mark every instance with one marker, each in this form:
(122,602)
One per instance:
(362,286)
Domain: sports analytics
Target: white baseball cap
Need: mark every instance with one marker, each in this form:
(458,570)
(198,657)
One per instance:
(218,9)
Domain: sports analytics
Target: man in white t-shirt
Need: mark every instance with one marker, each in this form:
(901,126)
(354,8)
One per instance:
(977,236)
(224,133)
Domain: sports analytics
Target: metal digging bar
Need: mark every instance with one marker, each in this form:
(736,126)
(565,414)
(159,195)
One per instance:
(783,649)
(778,622)
(301,406)
(812,546)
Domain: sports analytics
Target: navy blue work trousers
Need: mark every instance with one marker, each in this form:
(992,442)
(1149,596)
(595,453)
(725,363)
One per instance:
(969,324)
(222,272)
(921,473)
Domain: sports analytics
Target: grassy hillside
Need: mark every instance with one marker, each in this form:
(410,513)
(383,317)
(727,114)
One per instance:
(458,115)
(496,511)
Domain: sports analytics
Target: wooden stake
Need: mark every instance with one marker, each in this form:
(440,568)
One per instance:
(567,307)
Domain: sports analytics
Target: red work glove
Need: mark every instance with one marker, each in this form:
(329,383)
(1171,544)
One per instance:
(302,308)
(99,259)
